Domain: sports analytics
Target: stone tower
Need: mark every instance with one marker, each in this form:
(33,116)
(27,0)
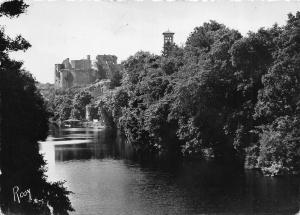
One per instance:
(168,41)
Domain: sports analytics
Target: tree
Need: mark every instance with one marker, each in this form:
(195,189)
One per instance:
(136,65)
(279,104)
(206,96)
(115,78)
(280,147)
(80,101)
(223,96)
(101,71)
(23,122)
(174,61)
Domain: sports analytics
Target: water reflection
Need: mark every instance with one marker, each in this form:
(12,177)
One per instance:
(108,177)
(81,144)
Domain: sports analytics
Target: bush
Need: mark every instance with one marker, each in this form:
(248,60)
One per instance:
(280,147)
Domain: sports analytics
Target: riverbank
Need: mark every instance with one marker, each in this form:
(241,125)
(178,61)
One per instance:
(78,123)
(108,177)
(221,93)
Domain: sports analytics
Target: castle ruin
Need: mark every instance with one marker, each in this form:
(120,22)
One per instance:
(84,72)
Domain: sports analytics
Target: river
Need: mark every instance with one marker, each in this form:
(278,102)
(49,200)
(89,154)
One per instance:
(107,178)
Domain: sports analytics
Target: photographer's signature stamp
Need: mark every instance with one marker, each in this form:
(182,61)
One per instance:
(19,195)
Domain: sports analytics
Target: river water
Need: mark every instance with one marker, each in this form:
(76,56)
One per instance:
(107,178)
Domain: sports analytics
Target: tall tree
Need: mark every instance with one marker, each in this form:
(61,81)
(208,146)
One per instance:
(278,104)
(80,101)
(24,121)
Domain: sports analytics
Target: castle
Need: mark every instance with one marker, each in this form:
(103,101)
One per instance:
(83,72)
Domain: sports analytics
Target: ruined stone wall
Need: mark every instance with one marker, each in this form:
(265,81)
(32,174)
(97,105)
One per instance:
(67,64)
(57,81)
(81,64)
(66,78)
(81,77)
(99,88)
(80,72)
(107,59)
(108,63)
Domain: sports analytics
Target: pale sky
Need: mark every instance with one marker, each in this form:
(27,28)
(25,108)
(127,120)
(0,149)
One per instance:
(74,29)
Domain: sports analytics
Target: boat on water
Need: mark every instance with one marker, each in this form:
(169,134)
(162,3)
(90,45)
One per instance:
(71,123)
(75,123)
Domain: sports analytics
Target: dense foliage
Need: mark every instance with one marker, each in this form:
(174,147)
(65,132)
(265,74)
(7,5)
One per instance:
(222,96)
(23,122)
(66,104)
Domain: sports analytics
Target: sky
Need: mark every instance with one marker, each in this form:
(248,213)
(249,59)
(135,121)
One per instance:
(73,29)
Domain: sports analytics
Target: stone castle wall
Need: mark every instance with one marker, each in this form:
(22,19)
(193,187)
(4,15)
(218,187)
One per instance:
(83,72)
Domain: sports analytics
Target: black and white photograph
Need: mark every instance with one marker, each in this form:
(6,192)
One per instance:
(149,107)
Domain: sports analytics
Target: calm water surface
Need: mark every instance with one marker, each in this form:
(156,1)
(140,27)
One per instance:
(107,178)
